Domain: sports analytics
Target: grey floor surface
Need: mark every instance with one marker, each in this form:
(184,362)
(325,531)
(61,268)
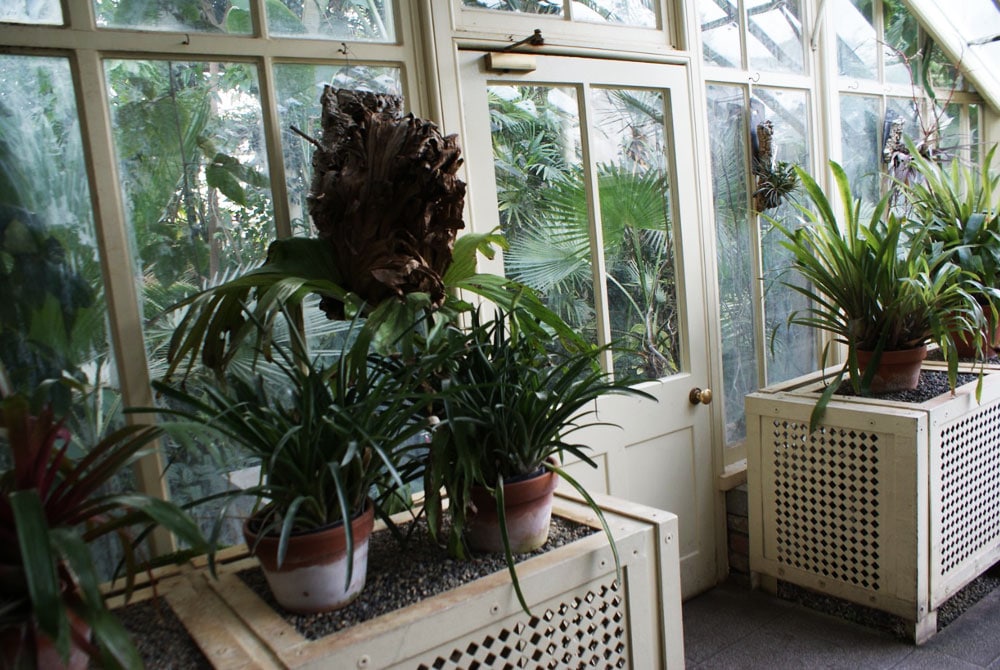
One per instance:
(732,627)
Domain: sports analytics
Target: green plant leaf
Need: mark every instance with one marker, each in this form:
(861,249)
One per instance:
(220,173)
(39,562)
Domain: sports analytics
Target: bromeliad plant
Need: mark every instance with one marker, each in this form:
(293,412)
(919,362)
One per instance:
(960,211)
(508,407)
(874,284)
(54,502)
(326,436)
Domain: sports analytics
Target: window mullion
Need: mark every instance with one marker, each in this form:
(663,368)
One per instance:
(592,188)
(79,15)
(275,157)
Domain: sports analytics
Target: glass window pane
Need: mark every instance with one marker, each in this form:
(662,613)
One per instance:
(628,145)
(39,12)
(860,129)
(189,141)
(790,351)
(550,7)
(900,41)
(359,20)
(720,32)
(950,141)
(191,156)
(53,315)
(299,88)
(640,13)
(857,41)
(220,16)
(727,125)
(775,35)
(540,190)
(943,73)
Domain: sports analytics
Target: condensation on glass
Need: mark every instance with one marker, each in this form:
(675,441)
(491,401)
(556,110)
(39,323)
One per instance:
(720,32)
(638,13)
(363,20)
(775,36)
(791,351)
(360,20)
(36,12)
(54,316)
(728,123)
(900,42)
(860,145)
(189,141)
(857,39)
(55,313)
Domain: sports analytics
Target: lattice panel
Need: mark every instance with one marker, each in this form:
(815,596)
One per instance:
(582,632)
(826,505)
(970,486)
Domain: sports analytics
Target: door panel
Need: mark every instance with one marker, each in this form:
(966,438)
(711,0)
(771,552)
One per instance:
(588,166)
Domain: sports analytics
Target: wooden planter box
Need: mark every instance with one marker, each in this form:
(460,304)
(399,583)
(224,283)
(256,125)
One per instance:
(891,505)
(580,614)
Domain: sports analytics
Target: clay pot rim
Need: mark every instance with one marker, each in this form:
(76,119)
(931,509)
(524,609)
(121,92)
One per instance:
(367,511)
(892,355)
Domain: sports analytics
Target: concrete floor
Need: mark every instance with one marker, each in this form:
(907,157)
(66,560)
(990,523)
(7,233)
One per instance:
(732,627)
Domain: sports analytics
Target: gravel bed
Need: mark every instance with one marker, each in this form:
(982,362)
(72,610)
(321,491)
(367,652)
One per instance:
(399,576)
(932,384)
(937,355)
(160,637)
(950,610)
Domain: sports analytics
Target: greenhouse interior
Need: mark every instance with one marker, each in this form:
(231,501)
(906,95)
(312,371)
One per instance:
(499,333)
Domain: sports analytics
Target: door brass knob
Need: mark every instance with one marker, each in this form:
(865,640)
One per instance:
(703,396)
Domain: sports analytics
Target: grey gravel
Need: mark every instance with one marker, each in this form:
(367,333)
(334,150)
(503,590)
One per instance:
(932,384)
(973,592)
(400,576)
(160,637)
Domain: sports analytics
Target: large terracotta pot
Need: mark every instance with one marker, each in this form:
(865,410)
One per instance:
(991,338)
(897,370)
(313,577)
(527,511)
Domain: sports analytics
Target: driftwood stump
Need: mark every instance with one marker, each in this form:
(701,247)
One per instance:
(385,196)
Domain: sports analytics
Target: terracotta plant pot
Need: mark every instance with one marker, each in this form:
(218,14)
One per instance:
(897,370)
(527,510)
(991,337)
(314,574)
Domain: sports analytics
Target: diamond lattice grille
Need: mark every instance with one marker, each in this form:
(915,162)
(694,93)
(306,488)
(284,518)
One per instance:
(970,486)
(585,631)
(827,501)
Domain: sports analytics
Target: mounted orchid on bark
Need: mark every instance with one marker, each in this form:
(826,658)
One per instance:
(387,204)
